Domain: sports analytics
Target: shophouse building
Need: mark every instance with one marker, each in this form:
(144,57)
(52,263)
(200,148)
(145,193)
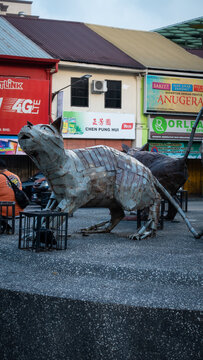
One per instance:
(19,7)
(138,79)
(25,92)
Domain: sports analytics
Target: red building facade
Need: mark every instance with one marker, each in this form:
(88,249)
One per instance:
(25,95)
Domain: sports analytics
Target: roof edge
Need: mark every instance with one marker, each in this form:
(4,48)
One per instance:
(176,24)
(172,72)
(23,59)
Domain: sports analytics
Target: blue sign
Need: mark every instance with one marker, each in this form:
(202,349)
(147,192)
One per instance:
(182,87)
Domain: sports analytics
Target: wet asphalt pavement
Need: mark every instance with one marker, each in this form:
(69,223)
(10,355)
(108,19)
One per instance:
(162,272)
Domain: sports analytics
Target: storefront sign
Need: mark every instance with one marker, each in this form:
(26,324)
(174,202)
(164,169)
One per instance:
(9,146)
(171,94)
(22,100)
(175,149)
(161,128)
(98,125)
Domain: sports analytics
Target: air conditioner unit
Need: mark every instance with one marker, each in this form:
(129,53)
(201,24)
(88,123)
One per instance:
(99,87)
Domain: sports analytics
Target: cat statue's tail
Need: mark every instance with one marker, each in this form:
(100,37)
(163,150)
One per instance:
(192,134)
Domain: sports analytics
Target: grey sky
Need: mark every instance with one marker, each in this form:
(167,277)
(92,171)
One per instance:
(130,14)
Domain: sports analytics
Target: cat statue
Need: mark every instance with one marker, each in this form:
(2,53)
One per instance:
(97,176)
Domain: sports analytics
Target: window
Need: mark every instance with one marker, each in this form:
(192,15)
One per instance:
(113,95)
(79,92)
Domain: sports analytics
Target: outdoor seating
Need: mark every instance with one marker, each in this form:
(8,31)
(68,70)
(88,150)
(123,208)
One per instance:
(182,196)
(7,222)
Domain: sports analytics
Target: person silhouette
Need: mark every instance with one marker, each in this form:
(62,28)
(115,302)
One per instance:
(7,194)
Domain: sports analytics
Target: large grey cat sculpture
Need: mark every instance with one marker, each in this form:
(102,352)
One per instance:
(95,176)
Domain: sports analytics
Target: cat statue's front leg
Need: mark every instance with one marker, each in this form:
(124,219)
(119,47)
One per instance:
(63,206)
(52,203)
(66,205)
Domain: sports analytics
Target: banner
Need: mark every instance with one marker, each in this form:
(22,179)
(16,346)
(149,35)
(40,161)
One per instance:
(22,100)
(98,125)
(9,146)
(176,129)
(60,104)
(175,149)
(173,94)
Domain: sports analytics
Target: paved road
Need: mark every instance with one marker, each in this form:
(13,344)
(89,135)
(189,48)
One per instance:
(164,271)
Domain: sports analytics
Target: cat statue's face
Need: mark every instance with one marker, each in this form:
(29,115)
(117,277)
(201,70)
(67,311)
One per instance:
(42,142)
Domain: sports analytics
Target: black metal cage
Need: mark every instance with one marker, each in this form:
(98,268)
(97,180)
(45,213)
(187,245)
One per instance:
(43,230)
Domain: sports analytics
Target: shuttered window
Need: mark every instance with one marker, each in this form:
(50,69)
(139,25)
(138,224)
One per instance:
(79,93)
(113,94)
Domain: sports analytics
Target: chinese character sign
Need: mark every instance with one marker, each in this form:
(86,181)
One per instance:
(22,100)
(170,94)
(98,125)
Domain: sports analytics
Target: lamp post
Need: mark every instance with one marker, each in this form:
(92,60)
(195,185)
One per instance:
(82,78)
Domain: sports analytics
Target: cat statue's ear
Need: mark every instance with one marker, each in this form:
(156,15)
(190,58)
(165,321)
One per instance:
(58,124)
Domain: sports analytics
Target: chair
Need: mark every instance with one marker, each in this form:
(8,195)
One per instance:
(6,219)
(182,196)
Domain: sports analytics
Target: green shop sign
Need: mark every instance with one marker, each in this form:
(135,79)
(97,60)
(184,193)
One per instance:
(160,127)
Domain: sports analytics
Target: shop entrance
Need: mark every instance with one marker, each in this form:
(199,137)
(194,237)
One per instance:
(194,184)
